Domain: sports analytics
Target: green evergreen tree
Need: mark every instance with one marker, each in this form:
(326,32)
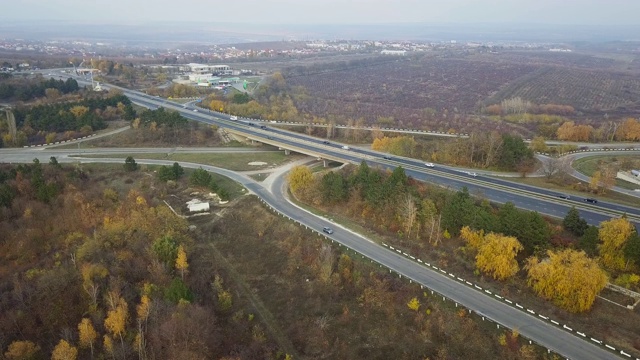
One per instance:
(632,249)
(130,164)
(589,241)
(574,223)
(458,212)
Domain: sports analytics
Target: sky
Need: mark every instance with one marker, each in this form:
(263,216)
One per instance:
(571,12)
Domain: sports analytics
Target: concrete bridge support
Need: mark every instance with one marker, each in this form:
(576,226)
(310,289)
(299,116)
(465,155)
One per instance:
(287,151)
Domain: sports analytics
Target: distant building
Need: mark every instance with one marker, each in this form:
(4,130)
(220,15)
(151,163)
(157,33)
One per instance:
(208,69)
(394,52)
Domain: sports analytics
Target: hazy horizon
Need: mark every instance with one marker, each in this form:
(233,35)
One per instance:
(342,12)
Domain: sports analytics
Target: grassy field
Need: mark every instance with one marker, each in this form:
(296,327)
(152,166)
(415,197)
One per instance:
(235,162)
(589,165)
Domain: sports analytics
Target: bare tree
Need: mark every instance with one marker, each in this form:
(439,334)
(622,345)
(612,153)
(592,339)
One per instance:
(408,211)
(550,166)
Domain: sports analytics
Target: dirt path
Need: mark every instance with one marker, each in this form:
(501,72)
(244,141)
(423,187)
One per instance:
(265,315)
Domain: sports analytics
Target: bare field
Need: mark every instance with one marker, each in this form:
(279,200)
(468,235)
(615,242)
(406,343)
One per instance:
(585,90)
(415,92)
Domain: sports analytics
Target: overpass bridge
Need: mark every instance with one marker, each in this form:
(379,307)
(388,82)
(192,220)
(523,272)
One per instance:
(289,145)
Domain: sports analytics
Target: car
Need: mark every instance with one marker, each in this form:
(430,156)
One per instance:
(327,230)
(472,174)
(591,200)
(386,157)
(196,110)
(233,117)
(326,142)
(263,127)
(429,165)
(346,147)
(252,124)
(564,196)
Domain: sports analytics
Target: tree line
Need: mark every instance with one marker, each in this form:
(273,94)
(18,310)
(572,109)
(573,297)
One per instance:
(48,122)
(27,90)
(501,240)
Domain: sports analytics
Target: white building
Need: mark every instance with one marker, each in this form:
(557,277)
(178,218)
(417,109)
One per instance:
(394,52)
(196,205)
(208,69)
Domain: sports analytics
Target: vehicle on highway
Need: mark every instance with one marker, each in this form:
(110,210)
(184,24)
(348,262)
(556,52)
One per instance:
(196,110)
(429,165)
(326,142)
(591,200)
(346,147)
(472,174)
(269,137)
(327,230)
(386,157)
(233,117)
(263,127)
(563,196)
(252,124)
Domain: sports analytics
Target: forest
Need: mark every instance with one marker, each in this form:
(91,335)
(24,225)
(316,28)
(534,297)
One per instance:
(64,120)
(101,268)
(12,88)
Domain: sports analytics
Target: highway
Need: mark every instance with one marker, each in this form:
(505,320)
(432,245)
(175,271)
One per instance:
(498,190)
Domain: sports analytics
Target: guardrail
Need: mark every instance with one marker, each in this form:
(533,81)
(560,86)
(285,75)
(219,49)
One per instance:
(60,142)
(474,286)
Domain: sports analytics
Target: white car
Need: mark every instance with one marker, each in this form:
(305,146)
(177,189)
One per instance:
(233,117)
(473,174)
(196,110)
(345,147)
(429,165)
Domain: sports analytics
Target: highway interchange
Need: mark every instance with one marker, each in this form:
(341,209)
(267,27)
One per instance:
(544,201)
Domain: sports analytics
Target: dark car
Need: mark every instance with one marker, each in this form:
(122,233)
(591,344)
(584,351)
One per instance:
(325,142)
(591,200)
(252,124)
(387,157)
(564,197)
(328,230)
(263,127)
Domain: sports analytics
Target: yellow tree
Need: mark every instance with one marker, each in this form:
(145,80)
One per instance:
(569,278)
(414,304)
(538,144)
(117,319)
(108,345)
(143,310)
(473,238)
(87,334)
(64,351)
(613,235)
(497,256)
(629,130)
(181,261)
(300,178)
(78,110)
(21,350)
